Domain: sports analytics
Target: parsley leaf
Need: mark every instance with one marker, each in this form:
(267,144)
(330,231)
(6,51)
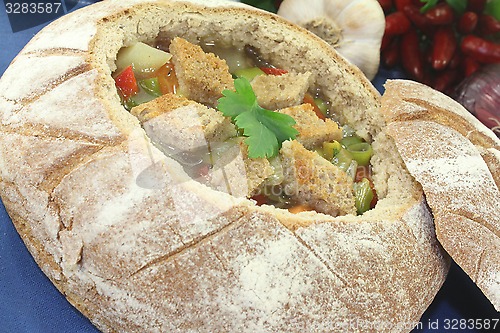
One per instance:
(265,129)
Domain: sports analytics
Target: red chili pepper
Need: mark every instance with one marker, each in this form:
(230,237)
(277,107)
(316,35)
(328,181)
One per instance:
(441,14)
(443,47)
(445,80)
(386,5)
(470,65)
(488,25)
(456,60)
(467,22)
(401,4)
(390,55)
(418,3)
(476,6)
(386,41)
(418,19)
(396,24)
(411,56)
(273,71)
(480,49)
(126,82)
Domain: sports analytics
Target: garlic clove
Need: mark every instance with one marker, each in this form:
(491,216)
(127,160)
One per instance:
(353,27)
(361,55)
(299,11)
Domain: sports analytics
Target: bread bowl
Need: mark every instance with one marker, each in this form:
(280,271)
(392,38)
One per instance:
(169,254)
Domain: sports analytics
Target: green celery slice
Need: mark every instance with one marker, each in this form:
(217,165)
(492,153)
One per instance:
(363,195)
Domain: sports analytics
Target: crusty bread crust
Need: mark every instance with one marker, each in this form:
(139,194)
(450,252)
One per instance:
(138,246)
(457,161)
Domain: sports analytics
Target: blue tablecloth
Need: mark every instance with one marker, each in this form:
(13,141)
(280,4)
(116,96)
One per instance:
(29,303)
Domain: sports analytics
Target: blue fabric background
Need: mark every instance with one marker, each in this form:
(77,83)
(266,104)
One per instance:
(29,303)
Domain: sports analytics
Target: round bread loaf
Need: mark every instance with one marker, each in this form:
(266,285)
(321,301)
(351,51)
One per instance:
(138,246)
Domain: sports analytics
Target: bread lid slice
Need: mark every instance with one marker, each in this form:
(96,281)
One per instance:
(456,159)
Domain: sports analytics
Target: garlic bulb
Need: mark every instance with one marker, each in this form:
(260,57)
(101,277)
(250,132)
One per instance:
(353,27)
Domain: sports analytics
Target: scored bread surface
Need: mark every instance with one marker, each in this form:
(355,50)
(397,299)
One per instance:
(138,246)
(457,161)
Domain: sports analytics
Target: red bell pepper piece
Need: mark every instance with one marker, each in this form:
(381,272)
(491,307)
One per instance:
(126,82)
(308,99)
(273,71)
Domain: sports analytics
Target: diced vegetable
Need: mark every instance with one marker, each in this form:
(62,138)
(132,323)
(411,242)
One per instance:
(278,174)
(249,73)
(363,195)
(309,99)
(343,159)
(273,71)
(126,82)
(151,86)
(167,78)
(321,104)
(330,149)
(144,58)
(361,152)
(141,97)
(299,209)
(350,140)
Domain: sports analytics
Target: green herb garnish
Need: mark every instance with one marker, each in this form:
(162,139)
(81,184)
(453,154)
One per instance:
(265,129)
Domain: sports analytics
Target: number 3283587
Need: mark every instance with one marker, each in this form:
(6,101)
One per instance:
(32,7)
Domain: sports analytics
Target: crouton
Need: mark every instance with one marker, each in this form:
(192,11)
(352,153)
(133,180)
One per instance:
(313,181)
(202,76)
(176,124)
(279,91)
(313,131)
(234,172)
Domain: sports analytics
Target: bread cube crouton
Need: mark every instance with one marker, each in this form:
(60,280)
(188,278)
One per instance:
(313,181)
(313,131)
(176,124)
(202,76)
(280,91)
(235,173)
